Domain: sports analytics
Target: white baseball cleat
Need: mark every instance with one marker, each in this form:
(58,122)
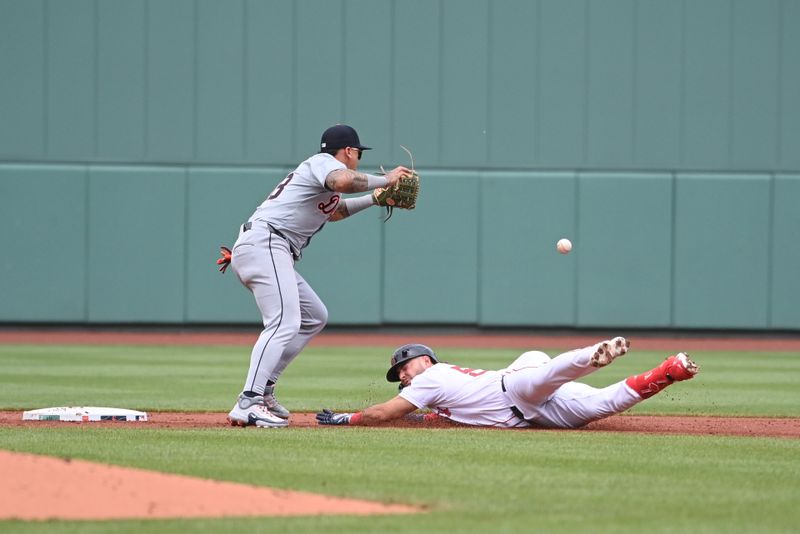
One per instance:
(607,351)
(253,411)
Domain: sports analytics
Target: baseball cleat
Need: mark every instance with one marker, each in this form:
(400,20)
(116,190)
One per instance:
(251,411)
(273,405)
(674,369)
(607,351)
(680,367)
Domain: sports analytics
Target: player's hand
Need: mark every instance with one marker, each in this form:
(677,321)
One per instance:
(395,174)
(327,417)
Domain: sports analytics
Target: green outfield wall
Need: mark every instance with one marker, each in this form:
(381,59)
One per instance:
(661,136)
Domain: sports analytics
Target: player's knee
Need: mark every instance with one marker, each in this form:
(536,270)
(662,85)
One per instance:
(319,319)
(532,358)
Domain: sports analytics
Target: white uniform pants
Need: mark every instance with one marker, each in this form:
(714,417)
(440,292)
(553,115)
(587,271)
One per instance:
(544,390)
(292,312)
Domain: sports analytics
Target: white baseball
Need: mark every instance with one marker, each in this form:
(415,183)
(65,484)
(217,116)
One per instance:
(564,245)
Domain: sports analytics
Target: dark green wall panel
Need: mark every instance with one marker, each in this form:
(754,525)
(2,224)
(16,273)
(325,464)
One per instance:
(785,311)
(344,265)
(219,201)
(368,80)
(22,87)
(137,245)
(609,136)
(464,73)
(43,239)
(431,254)
(70,80)
(513,78)
(707,84)
(721,253)
(220,81)
(523,280)
(417,104)
(658,80)
(269,89)
(623,248)
(789,88)
(225,96)
(319,55)
(562,83)
(120,80)
(756,41)
(170,80)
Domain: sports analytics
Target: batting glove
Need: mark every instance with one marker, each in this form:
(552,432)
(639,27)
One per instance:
(327,417)
(225,260)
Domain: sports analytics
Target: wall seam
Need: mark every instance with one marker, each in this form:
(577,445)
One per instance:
(87,236)
(488,129)
(46,80)
(682,96)
(673,251)
(146,78)
(195,79)
(96,99)
(245,79)
(731,80)
(587,56)
(634,83)
(576,177)
(779,86)
(186,239)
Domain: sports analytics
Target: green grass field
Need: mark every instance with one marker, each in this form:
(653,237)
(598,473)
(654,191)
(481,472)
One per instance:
(473,480)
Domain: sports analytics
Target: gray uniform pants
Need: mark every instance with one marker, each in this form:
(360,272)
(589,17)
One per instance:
(291,311)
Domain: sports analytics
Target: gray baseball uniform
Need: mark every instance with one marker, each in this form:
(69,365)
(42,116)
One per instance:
(263,259)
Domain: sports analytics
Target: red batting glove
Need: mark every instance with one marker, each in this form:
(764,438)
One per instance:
(225,260)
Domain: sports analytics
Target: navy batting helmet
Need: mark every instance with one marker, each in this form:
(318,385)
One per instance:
(405,353)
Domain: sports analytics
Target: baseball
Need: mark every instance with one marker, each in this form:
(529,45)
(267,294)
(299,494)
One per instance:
(564,245)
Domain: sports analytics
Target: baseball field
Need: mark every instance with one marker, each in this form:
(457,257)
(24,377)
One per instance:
(718,453)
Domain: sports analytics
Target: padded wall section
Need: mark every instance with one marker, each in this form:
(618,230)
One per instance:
(219,201)
(137,244)
(624,250)
(344,266)
(431,253)
(785,291)
(721,252)
(22,96)
(523,280)
(43,239)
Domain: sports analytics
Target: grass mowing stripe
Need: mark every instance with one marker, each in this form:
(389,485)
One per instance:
(209,378)
(475,480)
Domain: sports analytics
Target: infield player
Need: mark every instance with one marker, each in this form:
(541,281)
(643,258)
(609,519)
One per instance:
(270,243)
(534,390)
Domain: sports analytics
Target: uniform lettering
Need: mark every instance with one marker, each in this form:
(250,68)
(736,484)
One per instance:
(468,371)
(329,208)
(278,190)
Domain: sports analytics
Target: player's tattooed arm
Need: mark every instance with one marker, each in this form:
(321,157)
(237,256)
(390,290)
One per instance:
(346,181)
(341,212)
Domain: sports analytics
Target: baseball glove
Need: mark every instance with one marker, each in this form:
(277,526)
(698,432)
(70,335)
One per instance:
(401,195)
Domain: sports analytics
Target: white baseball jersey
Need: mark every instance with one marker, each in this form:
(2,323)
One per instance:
(471,396)
(540,389)
(301,204)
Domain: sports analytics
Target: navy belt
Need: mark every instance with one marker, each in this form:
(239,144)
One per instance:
(516,411)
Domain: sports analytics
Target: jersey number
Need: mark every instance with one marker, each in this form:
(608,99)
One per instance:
(468,371)
(278,190)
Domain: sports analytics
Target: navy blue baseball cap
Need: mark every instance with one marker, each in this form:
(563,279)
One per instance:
(340,136)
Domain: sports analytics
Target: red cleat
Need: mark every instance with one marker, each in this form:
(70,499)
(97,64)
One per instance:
(674,369)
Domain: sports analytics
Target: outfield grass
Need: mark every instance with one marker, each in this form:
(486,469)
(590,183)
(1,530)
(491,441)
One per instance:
(473,480)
